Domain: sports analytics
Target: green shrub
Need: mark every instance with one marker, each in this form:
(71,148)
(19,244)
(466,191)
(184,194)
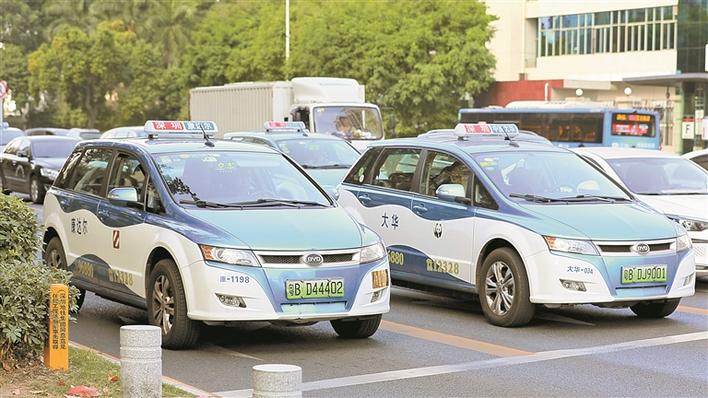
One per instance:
(24,284)
(18,230)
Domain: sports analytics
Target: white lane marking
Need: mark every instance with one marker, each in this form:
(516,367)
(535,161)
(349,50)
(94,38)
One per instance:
(542,356)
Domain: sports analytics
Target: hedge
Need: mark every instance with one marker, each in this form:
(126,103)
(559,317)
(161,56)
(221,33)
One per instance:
(24,285)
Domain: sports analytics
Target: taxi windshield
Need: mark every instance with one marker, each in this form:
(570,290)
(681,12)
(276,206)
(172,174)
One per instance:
(661,176)
(231,178)
(349,122)
(548,177)
(320,153)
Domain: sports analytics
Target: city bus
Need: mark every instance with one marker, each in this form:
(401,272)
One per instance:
(576,125)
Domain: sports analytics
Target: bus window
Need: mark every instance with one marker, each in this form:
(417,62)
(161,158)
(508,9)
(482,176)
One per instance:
(633,124)
(574,127)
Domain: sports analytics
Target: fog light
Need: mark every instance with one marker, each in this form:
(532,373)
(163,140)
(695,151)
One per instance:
(231,301)
(573,285)
(379,278)
(377,295)
(688,280)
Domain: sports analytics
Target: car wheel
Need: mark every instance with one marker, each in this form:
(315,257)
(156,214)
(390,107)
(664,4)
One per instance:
(36,191)
(655,310)
(356,328)
(54,257)
(3,184)
(167,307)
(504,289)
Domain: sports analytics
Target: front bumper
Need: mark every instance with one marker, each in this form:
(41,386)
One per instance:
(601,278)
(262,290)
(700,248)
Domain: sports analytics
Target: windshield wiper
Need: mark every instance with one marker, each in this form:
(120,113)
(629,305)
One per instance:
(277,202)
(203,203)
(533,198)
(326,166)
(590,198)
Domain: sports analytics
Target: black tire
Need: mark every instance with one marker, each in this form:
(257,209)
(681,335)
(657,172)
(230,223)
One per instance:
(509,304)
(3,185)
(178,331)
(54,257)
(655,310)
(36,191)
(356,328)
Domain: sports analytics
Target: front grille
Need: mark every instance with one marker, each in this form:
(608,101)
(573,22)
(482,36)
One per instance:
(625,248)
(289,259)
(615,248)
(337,258)
(281,259)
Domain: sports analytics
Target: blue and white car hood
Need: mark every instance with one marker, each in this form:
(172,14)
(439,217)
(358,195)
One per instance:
(288,229)
(618,221)
(688,206)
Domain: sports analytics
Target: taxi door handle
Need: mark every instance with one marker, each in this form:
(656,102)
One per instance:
(364,198)
(103,212)
(419,209)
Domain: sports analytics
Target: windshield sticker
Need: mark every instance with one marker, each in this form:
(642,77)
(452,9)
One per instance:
(209,159)
(488,163)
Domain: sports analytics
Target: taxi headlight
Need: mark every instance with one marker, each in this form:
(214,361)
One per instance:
(683,242)
(690,224)
(49,173)
(372,253)
(229,256)
(570,245)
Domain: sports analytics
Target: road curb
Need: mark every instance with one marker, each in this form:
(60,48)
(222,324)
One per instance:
(165,379)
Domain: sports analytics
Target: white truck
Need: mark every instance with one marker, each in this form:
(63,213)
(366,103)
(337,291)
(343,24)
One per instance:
(325,104)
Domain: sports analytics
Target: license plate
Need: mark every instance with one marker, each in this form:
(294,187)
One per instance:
(648,273)
(314,288)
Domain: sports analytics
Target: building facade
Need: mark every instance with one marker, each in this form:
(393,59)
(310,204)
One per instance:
(648,54)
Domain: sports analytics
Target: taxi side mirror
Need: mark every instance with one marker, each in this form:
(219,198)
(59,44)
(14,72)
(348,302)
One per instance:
(452,193)
(123,196)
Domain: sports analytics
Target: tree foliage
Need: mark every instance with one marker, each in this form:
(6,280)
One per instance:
(108,63)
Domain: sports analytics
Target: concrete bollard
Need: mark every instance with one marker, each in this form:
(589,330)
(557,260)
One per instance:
(281,381)
(141,361)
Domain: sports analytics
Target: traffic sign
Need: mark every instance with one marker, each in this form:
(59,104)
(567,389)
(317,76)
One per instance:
(3,88)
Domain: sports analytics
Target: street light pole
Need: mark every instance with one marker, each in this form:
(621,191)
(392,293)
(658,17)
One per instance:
(287,29)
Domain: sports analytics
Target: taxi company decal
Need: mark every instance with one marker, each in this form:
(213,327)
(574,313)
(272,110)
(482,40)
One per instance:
(116,239)
(437,231)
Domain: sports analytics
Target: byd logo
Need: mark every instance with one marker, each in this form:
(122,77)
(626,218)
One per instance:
(313,259)
(641,248)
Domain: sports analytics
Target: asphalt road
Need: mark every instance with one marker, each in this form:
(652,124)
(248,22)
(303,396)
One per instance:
(430,346)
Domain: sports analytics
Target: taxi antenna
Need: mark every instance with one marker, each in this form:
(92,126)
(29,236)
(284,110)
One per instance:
(207,141)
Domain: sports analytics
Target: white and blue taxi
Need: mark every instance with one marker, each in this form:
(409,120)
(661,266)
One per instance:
(488,210)
(325,157)
(206,231)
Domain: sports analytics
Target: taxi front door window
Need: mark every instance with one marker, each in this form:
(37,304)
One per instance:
(128,173)
(441,168)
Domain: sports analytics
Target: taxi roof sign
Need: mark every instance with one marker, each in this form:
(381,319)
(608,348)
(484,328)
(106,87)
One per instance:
(506,130)
(180,128)
(284,127)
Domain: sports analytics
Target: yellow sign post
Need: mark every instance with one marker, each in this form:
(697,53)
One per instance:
(56,352)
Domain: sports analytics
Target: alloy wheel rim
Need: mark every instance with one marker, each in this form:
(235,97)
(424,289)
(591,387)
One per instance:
(163,304)
(55,259)
(500,288)
(34,190)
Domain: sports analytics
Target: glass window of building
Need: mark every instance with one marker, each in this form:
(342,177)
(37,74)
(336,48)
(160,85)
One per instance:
(639,29)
